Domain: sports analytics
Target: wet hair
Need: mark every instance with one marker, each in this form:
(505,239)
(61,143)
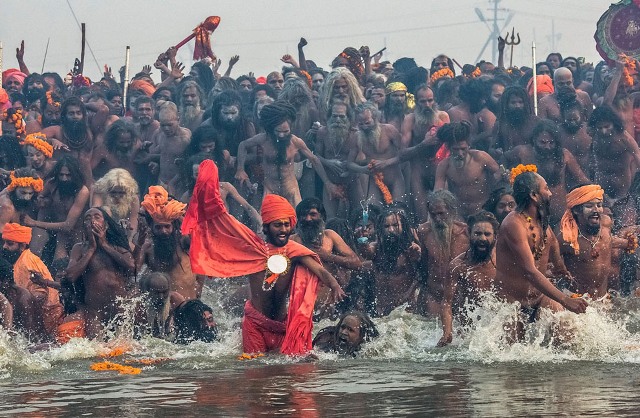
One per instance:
(375,112)
(115,233)
(495,196)
(56,79)
(294,88)
(275,114)
(446,197)
(523,186)
(74,170)
(599,85)
(452,133)
(473,92)
(205,134)
(356,217)
(606,114)
(188,84)
(306,204)
(72,101)
(368,330)
(550,127)
(116,129)
(188,319)
(386,258)
(225,98)
(483,216)
(160,89)
(11,147)
(510,92)
(6,271)
(204,76)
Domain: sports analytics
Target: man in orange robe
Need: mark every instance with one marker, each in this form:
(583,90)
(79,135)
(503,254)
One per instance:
(221,246)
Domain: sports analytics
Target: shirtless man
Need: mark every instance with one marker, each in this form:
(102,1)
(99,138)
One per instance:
(523,250)
(144,112)
(615,152)
(470,273)
(73,136)
(549,107)
(377,141)
(442,238)
(280,148)
(396,106)
(585,243)
(159,306)
(169,142)
(50,111)
(336,256)
(468,174)
(333,144)
(574,135)
(39,154)
(473,96)
(515,121)
(419,147)
(190,105)
(554,163)
(105,264)
(166,252)
(19,197)
(396,261)
(61,205)
(119,150)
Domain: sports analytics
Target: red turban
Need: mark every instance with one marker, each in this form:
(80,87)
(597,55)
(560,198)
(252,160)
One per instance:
(276,207)
(13,73)
(16,233)
(143,86)
(544,84)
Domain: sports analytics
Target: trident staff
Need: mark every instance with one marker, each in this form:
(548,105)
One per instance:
(512,42)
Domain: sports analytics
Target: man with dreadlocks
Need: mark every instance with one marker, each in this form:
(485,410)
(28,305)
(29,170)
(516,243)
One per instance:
(340,86)
(442,238)
(524,247)
(396,261)
(165,251)
(515,120)
(62,202)
(105,265)
(473,96)
(19,197)
(280,148)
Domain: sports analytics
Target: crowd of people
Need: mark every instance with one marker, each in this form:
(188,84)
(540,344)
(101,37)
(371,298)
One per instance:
(393,184)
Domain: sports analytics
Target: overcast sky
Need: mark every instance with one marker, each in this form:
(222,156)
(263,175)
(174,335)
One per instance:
(262,31)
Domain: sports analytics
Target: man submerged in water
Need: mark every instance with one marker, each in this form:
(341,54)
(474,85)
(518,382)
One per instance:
(347,336)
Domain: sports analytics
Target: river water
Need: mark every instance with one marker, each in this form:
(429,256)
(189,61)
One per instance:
(400,374)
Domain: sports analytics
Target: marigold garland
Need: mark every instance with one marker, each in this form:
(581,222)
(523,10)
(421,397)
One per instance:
(246,356)
(109,366)
(16,120)
(51,101)
(632,243)
(16,182)
(38,141)
(476,73)
(147,361)
(444,72)
(516,171)
(629,66)
(378,178)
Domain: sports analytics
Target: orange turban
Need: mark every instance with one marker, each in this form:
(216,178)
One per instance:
(544,84)
(16,233)
(143,86)
(578,196)
(276,207)
(160,208)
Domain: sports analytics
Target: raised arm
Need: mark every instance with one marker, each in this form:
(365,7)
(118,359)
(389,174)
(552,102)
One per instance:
(71,220)
(302,60)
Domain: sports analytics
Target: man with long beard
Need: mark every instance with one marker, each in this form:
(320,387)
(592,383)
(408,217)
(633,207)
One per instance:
(473,97)
(159,305)
(468,173)
(280,148)
(117,192)
(62,203)
(166,251)
(554,163)
(190,105)
(586,244)
(397,104)
(377,141)
(120,148)
(144,115)
(442,238)
(470,273)
(549,106)
(396,261)
(223,247)
(26,264)
(333,144)
(336,256)
(73,136)
(50,112)
(104,263)
(524,248)
(515,121)
(19,197)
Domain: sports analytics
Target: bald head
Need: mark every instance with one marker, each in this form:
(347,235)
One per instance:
(562,77)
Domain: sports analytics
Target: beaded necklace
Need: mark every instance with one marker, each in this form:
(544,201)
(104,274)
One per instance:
(537,247)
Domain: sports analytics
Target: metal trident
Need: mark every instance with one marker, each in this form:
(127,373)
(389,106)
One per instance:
(512,42)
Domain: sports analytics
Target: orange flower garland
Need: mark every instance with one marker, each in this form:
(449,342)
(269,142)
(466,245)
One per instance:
(109,366)
(38,141)
(378,177)
(516,171)
(246,356)
(16,120)
(51,101)
(476,73)
(629,66)
(445,72)
(16,182)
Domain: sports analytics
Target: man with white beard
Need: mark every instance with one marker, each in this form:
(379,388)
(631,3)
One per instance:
(160,303)
(190,105)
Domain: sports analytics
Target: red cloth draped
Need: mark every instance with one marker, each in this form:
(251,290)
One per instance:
(221,246)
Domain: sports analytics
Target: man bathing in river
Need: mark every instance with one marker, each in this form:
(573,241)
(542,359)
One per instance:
(223,247)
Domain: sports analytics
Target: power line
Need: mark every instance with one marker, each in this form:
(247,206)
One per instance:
(87,42)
